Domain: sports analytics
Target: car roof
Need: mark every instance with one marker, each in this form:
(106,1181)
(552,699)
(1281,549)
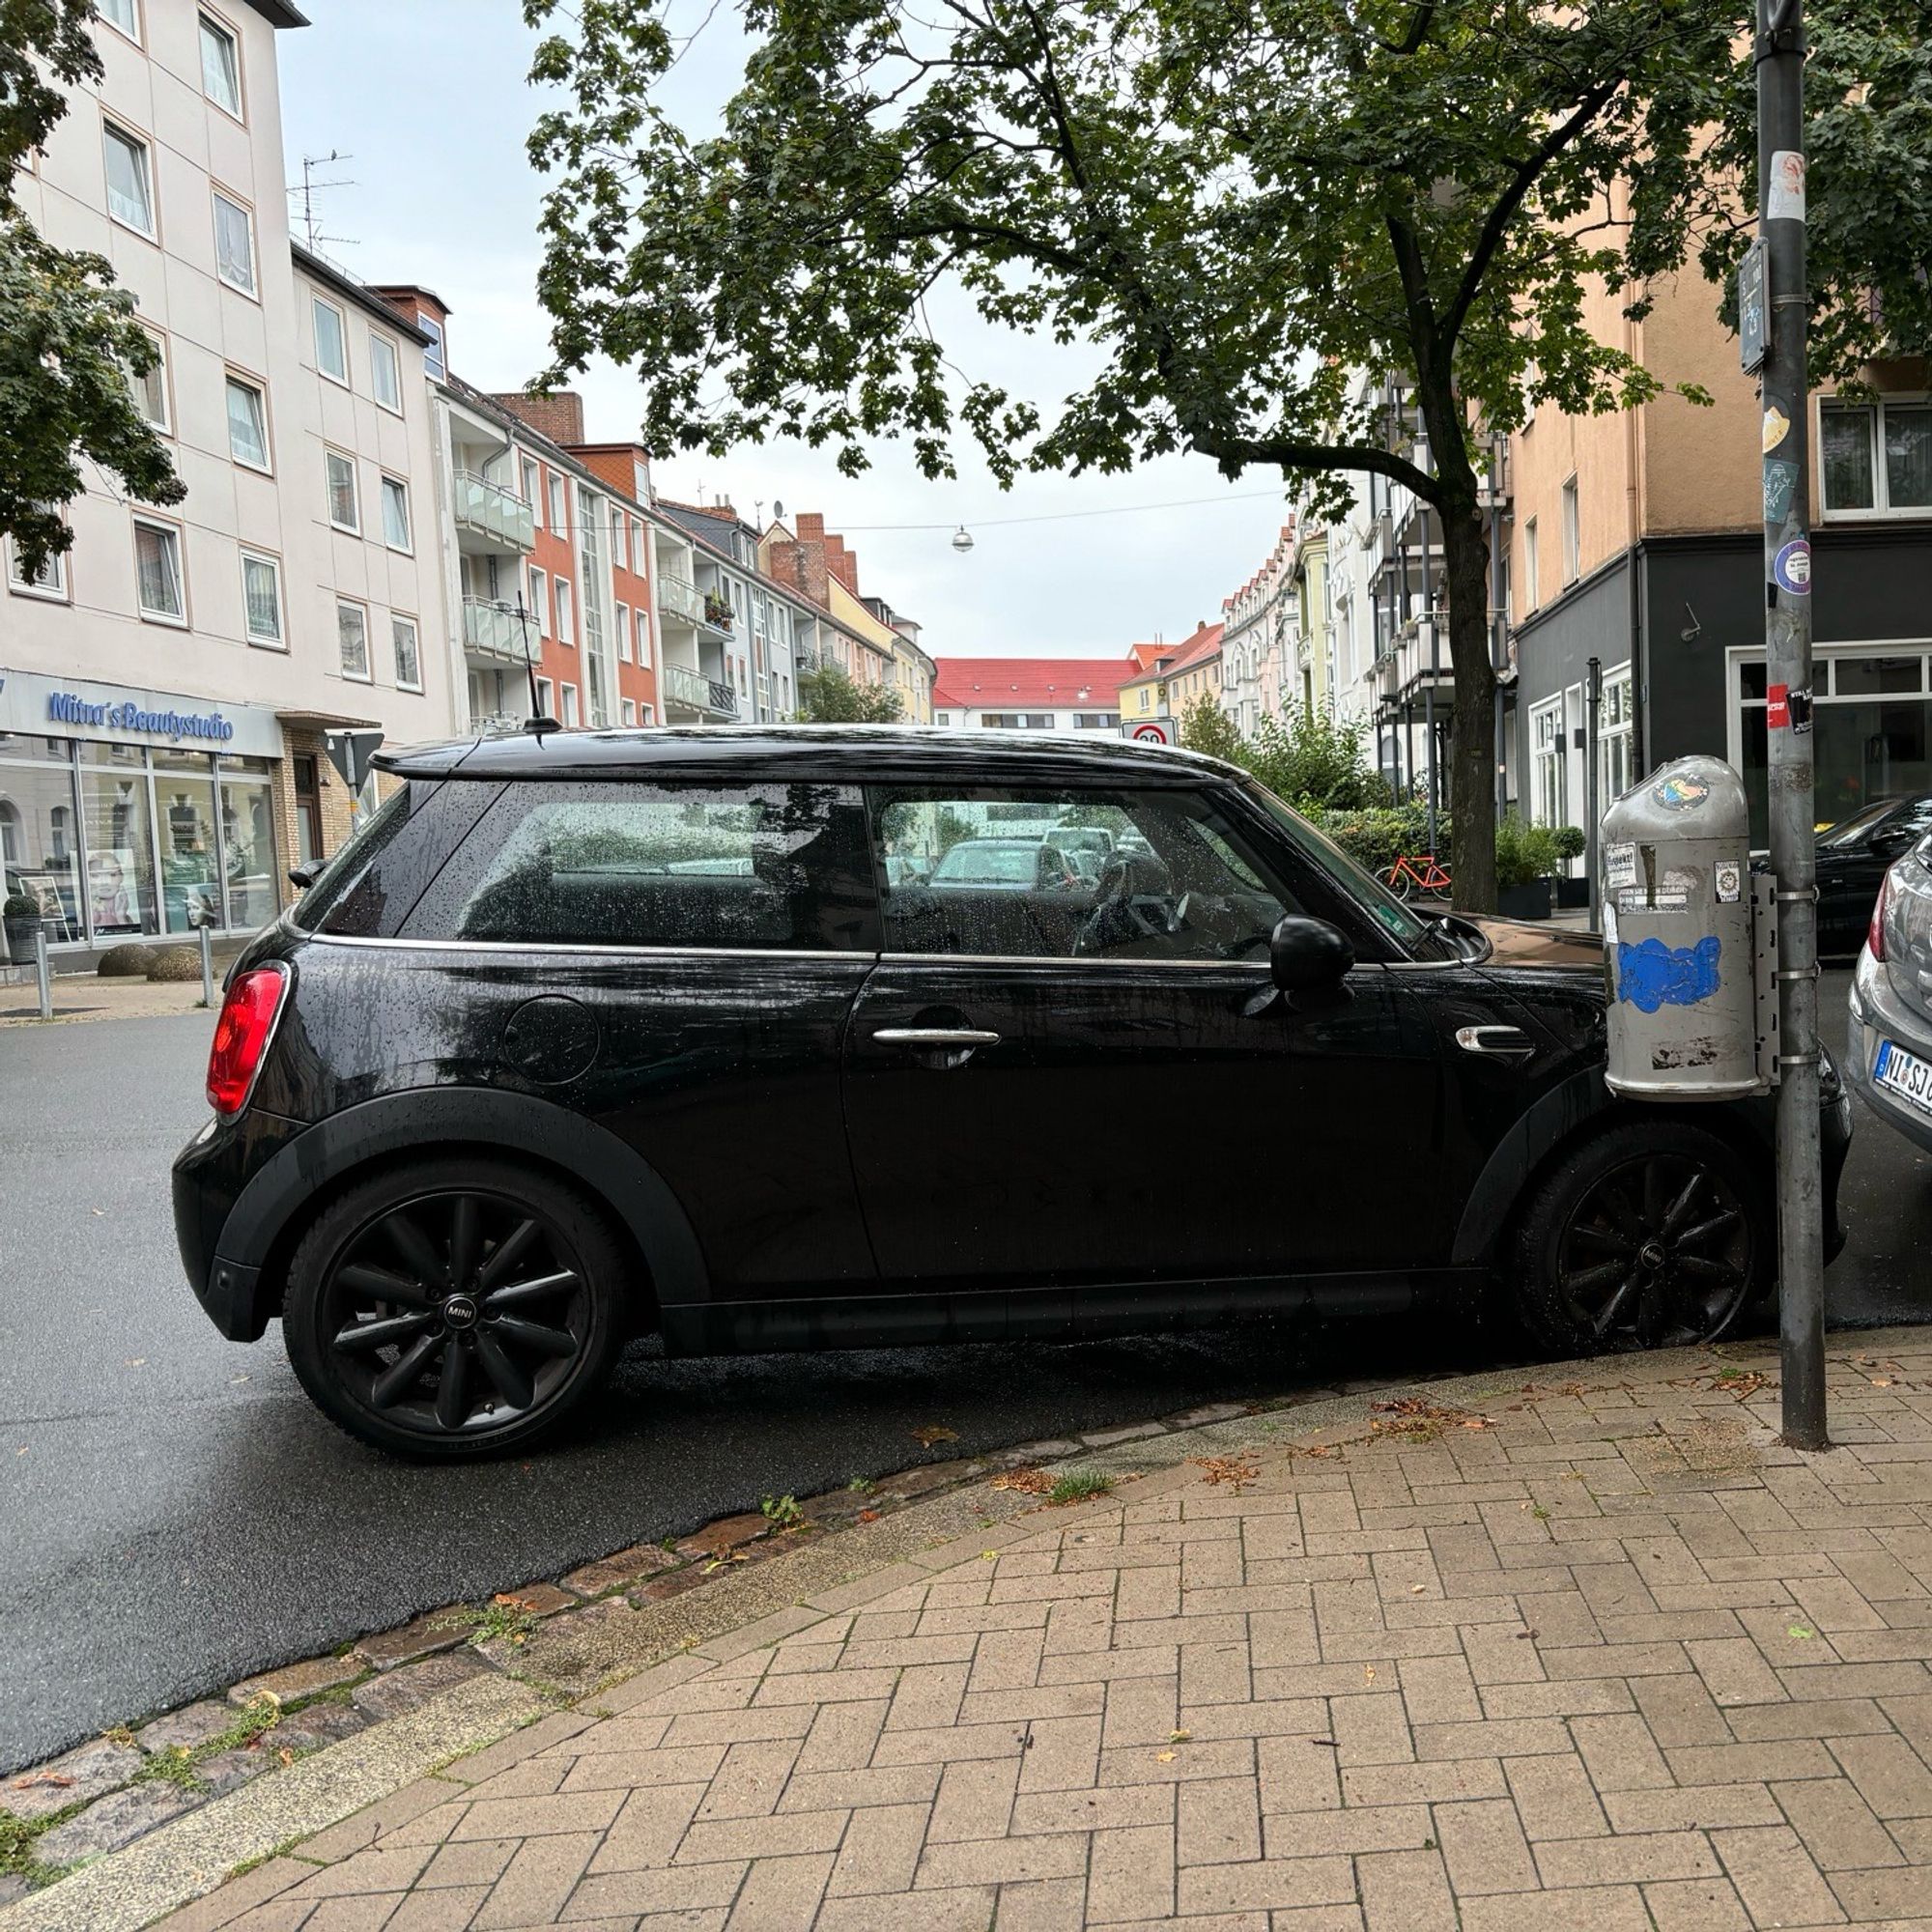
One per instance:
(893,753)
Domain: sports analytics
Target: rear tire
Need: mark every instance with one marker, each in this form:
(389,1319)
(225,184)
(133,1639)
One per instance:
(1656,1234)
(454,1308)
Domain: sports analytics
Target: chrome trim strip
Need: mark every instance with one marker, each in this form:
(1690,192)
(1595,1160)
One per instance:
(935,1037)
(1063,960)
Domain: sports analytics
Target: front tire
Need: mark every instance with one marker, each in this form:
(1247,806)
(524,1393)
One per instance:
(455,1308)
(1654,1235)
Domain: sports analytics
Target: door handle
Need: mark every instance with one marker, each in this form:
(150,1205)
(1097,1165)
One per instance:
(1500,1042)
(935,1037)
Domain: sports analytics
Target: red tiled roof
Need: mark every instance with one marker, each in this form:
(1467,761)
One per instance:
(1203,644)
(1020,684)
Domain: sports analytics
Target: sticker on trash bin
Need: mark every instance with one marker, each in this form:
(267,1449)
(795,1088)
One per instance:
(1636,900)
(1679,792)
(1730,879)
(1620,865)
(1651,975)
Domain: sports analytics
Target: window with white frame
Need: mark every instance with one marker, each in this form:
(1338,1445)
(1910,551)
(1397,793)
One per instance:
(131,187)
(540,600)
(623,629)
(159,584)
(262,599)
(331,340)
(433,349)
(629,710)
(151,389)
(351,640)
(1546,763)
(386,373)
(570,706)
(395,513)
(345,512)
(1573,535)
(1615,737)
(407,652)
(566,617)
(559,500)
(543,698)
(247,424)
(532,492)
(233,244)
(646,714)
(220,66)
(1875,459)
(50,581)
(1532,594)
(122,14)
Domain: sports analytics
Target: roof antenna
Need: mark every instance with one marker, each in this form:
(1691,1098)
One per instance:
(537,723)
(310,187)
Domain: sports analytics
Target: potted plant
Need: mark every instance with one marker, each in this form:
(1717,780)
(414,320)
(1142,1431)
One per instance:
(1525,859)
(21,917)
(1569,843)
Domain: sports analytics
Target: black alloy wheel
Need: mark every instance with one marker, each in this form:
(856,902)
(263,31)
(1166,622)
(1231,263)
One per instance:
(1651,1237)
(449,1314)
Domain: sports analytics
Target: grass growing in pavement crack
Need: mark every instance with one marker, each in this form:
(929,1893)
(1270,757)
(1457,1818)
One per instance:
(285,1850)
(178,1764)
(1077,1485)
(783,1511)
(17,1838)
(505,1617)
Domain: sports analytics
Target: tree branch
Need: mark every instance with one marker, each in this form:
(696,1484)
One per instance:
(1286,453)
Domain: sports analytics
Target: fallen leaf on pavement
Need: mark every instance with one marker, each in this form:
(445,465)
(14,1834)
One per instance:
(869,1515)
(1238,1470)
(1165,1757)
(1179,1737)
(1798,1630)
(59,1779)
(1029,1482)
(934,1433)
(1368,1674)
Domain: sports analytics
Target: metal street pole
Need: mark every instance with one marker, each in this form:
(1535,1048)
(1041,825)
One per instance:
(1593,803)
(1792,780)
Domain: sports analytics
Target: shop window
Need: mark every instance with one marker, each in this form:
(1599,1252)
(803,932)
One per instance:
(1549,796)
(1876,460)
(331,340)
(157,571)
(37,834)
(385,376)
(1615,738)
(119,881)
(250,875)
(190,854)
(220,66)
(233,244)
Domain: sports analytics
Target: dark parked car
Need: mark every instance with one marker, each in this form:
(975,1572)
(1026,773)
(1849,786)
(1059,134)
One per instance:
(1853,858)
(594,1034)
(1890,1042)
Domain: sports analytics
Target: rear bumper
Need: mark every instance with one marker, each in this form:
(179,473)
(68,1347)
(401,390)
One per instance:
(1877,1013)
(208,1176)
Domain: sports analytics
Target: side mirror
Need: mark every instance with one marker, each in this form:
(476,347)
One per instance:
(303,877)
(1890,845)
(1308,953)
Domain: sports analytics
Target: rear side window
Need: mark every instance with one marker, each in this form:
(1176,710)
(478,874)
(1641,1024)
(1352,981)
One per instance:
(777,867)
(366,890)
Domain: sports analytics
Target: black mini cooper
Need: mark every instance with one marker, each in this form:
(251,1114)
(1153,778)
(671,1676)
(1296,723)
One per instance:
(592,1035)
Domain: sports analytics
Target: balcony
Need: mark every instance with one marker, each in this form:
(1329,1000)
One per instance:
(493,515)
(679,685)
(492,630)
(683,603)
(496,724)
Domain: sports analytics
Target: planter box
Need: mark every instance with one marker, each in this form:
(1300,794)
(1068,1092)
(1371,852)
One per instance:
(1572,895)
(1530,901)
(21,934)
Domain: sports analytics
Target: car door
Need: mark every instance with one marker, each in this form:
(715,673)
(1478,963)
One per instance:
(1111,1091)
(676,963)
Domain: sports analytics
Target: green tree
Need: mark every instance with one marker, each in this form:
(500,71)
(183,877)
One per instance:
(828,696)
(1205,727)
(1312,759)
(1220,208)
(68,340)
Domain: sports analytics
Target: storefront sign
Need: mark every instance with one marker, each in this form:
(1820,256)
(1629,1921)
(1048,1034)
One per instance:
(34,705)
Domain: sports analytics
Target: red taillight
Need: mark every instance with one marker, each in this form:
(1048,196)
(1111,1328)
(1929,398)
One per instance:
(1875,933)
(242,1036)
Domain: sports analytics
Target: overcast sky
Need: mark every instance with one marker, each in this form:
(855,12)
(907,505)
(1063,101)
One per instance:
(428,98)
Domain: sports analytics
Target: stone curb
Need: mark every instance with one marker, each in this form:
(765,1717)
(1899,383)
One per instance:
(585,1662)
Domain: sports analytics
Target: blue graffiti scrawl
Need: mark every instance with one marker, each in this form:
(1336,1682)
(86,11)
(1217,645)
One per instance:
(1651,974)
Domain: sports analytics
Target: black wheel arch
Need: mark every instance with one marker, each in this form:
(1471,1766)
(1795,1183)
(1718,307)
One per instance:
(283,1198)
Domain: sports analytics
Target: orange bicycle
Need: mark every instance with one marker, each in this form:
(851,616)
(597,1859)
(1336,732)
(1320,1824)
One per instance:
(1418,873)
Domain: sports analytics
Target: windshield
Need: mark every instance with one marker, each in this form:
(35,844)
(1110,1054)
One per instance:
(1849,831)
(989,865)
(1353,880)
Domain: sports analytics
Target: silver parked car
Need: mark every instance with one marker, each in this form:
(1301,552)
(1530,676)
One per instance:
(1890,1060)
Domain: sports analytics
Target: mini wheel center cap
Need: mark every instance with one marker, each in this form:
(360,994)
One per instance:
(1651,1255)
(460,1312)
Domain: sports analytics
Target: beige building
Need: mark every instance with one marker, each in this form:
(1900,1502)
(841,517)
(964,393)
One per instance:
(165,686)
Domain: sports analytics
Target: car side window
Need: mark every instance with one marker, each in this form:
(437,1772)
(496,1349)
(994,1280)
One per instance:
(369,885)
(777,867)
(1046,874)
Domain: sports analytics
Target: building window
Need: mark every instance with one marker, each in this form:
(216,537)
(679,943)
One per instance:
(1876,460)
(532,493)
(233,244)
(262,599)
(646,714)
(157,571)
(540,600)
(560,514)
(1573,535)
(624,633)
(352,637)
(50,581)
(570,707)
(408,658)
(150,390)
(1530,595)
(433,349)
(331,340)
(122,14)
(131,193)
(543,698)
(1615,738)
(344,511)
(247,424)
(385,376)
(629,711)
(220,66)
(1546,763)
(566,622)
(395,513)
(942,718)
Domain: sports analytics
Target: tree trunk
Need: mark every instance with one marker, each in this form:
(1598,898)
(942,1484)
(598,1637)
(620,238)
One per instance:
(1472,751)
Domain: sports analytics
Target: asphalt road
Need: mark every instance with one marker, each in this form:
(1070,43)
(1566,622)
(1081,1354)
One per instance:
(174,1514)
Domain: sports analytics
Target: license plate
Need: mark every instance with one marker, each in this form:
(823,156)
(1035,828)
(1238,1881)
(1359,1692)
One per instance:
(1904,1074)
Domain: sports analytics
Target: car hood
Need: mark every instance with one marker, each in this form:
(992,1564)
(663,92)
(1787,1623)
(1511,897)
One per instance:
(1516,942)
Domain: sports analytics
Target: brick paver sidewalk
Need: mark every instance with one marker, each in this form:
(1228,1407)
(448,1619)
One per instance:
(1615,1660)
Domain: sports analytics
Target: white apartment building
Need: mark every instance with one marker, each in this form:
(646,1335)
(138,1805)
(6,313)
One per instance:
(165,686)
